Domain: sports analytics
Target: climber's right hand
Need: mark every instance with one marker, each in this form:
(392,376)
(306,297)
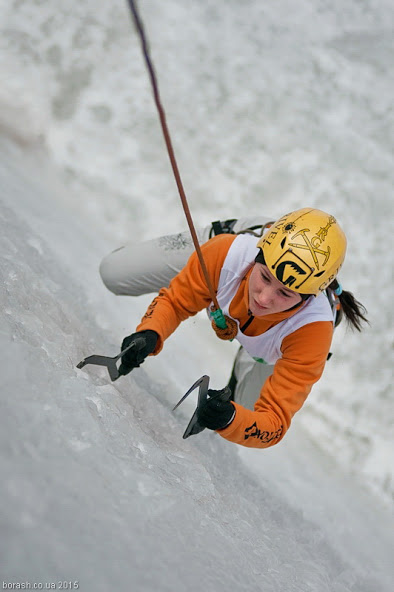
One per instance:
(145,343)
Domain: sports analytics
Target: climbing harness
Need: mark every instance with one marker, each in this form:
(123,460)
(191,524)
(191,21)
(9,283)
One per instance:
(333,299)
(224,327)
(228,227)
(222,227)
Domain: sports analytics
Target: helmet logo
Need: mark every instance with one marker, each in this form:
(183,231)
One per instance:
(313,245)
(289,227)
(291,269)
(284,272)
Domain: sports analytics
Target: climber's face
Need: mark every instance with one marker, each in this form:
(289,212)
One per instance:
(267,295)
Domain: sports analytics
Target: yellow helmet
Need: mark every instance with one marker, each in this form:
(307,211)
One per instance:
(304,250)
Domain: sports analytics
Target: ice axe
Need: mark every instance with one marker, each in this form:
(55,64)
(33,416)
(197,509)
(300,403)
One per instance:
(111,363)
(194,427)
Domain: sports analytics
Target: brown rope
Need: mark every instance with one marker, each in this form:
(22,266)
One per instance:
(229,332)
(230,328)
(171,154)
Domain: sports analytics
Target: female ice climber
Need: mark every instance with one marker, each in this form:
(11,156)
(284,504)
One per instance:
(279,285)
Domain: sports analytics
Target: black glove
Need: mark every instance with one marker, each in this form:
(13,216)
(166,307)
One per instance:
(136,355)
(216,413)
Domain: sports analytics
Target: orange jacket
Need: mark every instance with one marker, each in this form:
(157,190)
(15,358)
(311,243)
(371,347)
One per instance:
(304,352)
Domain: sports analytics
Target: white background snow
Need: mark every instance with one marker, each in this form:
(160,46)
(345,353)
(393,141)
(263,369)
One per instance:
(272,106)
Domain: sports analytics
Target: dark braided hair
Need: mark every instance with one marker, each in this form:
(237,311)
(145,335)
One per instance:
(353,310)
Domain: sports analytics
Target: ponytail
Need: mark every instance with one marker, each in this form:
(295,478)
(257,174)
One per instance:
(353,310)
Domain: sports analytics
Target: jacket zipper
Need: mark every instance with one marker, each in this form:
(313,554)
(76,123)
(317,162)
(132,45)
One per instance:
(246,325)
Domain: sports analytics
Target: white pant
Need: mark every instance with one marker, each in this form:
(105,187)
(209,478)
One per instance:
(141,268)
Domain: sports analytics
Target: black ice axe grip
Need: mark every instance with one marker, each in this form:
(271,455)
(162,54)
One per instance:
(111,363)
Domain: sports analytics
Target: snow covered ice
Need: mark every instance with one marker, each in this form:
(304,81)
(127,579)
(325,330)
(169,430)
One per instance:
(272,106)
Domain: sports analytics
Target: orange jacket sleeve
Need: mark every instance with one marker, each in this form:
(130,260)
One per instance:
(187,293)
(304,354)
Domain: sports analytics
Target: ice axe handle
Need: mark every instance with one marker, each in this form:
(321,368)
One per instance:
(194,426)
(111,363)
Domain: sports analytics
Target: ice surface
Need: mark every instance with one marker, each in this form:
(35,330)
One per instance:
(272,106)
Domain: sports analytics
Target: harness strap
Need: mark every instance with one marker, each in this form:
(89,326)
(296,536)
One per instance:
(222,227)
(227,227)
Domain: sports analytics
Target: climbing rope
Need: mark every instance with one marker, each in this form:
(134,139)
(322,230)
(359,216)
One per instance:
(224,327)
